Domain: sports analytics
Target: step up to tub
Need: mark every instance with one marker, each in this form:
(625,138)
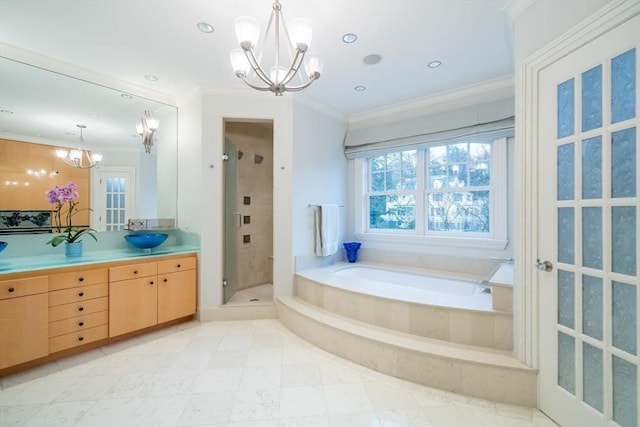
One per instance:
(475,371)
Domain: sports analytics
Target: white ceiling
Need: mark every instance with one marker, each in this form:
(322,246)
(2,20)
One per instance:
(127,40)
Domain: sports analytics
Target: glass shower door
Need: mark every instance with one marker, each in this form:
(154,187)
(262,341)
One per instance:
(231,220)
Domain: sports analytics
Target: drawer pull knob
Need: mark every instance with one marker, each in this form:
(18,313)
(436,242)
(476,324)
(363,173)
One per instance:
(151,282)
(11,289)
(80,308)
(165,280)
(80,294)
(81,279)
(80,338)
(179,265)
(135,271)
(80,323)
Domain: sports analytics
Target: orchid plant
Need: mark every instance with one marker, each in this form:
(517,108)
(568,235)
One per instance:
(66,206)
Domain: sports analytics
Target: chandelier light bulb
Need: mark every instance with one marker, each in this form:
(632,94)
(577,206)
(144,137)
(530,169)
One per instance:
(277,74)
(239,62)
(300,32)
(314,64)
(247,30)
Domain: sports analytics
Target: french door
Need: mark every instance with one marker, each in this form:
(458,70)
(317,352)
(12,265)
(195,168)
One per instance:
(588,208)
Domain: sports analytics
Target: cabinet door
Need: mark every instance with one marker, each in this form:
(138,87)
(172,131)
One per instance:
(133,305)
(24,329)
(176,295)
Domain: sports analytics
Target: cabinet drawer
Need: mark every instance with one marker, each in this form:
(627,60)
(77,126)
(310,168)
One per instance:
(77,324)
(76,309)
(178,264)
(132,271)
(74,339)
(81,293)
(22,287)
(77,278)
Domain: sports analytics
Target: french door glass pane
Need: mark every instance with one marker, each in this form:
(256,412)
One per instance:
(565,168)
(592,237)
(566,362)
(625,322)
(592,306)
(623,231)
(592,168)
(623,86)
(625,392)
(566,227)
(623,163)
(566,109)
(593,392)
(566,298)
(592,98)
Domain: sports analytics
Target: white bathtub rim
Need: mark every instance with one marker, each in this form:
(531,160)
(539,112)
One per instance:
(325,276)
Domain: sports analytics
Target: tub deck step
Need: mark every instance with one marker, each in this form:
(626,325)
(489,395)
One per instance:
(475,371)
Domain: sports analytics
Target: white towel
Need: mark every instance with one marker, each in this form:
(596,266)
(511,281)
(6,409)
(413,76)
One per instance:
(326,219)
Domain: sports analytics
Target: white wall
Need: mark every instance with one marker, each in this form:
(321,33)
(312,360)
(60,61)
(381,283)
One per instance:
(545,21)
(320,176)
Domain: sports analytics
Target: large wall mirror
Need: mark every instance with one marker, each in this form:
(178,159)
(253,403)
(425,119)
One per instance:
(39,112)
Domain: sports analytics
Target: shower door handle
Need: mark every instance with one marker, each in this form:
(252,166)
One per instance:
(239,218)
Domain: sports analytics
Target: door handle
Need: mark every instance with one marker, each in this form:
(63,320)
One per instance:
(239,218)
(544,265)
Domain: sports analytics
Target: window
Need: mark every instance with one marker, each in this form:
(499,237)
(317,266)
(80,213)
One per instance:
(454,190)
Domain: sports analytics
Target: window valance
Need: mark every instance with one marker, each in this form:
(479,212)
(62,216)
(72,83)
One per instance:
(494,118)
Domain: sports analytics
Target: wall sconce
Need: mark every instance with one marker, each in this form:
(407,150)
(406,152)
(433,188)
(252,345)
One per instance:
(146,128)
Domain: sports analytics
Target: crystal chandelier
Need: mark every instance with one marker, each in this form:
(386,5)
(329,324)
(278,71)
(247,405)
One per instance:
(298,39)
(146,128)
(80,158)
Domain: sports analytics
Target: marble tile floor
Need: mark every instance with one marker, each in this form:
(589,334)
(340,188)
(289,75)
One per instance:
(233,374)
(262,293)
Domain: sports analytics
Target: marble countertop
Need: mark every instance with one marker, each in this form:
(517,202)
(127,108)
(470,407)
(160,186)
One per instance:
(42,262)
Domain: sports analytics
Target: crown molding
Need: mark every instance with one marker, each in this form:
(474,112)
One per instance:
(515,8)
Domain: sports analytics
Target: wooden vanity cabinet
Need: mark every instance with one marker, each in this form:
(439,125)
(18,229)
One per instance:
(133,298)
(23,320)
(78,308)
(176,288)
(150,293)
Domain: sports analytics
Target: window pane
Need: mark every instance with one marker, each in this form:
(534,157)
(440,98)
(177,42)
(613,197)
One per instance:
(460,212)
(393,161)
(592,306)
(392,212)
(565,172)
(437,167)
(624,323)
(623,163)
(392,180)
(378,163)
(625,392)
(377,181)
(409,159)
(479,152)
(409,179)
(457,153)
(457,175)
(479,174)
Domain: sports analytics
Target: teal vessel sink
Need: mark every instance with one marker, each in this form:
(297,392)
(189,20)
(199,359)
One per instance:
(3,246)
(146,241)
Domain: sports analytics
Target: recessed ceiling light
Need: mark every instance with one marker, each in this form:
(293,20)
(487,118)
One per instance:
(126,96)
(6,111)
(372,59)
(360,88)
(349,38)
(69,133)
(151,78)
(434,64)
(205,28)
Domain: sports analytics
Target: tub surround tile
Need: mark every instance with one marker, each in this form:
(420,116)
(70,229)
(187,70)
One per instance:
(473,327)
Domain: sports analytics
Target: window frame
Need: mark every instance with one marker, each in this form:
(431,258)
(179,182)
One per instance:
(419,236)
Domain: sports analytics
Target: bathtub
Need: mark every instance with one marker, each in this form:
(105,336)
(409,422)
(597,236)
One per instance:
(421,287)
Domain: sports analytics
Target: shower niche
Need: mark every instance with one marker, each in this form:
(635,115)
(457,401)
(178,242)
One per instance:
(248,245)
